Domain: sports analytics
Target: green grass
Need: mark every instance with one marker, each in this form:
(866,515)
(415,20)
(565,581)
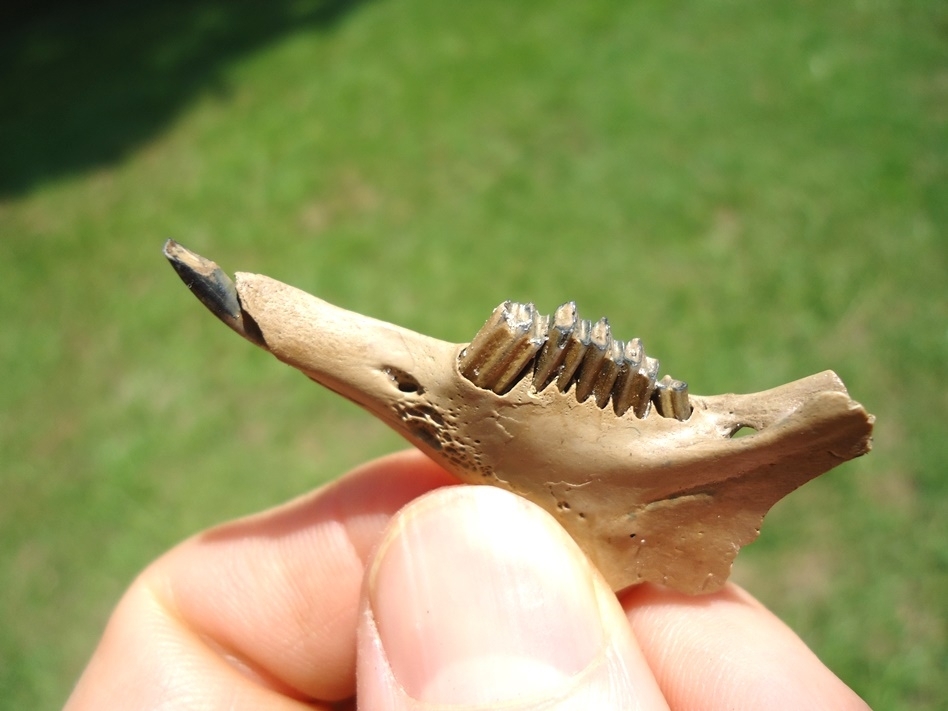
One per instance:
(758,191)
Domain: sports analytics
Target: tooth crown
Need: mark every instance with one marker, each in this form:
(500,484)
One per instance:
(518,343)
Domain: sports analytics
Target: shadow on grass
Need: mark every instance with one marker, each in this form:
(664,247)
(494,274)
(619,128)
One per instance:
(82,84)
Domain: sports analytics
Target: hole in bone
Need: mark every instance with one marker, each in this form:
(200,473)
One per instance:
(427,435)
(403,381)
(743,431)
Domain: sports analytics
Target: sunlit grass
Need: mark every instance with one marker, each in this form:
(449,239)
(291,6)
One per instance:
(757,192)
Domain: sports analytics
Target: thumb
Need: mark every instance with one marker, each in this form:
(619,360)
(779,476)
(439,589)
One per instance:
(478,598)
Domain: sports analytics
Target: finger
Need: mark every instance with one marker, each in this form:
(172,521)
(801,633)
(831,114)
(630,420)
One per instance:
(272,599)
(147,659)
(726,650)
(478,598)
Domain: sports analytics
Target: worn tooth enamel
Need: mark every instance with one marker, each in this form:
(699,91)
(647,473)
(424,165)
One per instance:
(664,495)
(648,375)
(518,326)
(576,346)
(521,352)
(485,344)
(553,353)
(681,408)
(625,396)
(671,398)
(642,382)
(600,339)
(499,341)
(608,373)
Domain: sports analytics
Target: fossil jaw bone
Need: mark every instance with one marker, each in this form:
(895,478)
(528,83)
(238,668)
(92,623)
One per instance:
(652,488)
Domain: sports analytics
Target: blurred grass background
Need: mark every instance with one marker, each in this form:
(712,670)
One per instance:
(756,190)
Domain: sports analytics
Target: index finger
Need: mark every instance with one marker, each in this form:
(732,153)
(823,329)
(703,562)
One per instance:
(270,600)
(726,650)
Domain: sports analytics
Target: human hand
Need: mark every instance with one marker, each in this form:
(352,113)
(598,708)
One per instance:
(467,597)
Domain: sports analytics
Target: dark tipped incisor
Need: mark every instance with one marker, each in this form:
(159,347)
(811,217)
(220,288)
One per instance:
(213,288)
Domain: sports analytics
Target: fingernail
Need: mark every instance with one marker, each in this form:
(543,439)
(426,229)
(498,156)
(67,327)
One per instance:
(479,596)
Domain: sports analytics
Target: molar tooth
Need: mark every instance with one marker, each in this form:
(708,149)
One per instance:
(520,353)
(645,379)
(608,373)
(482,361)
(486,342)
(518,325)
(600,339)
(553,353)
(671,398)
(576,347)
(625,393)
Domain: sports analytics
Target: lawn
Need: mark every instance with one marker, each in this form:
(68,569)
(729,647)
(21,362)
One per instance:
(758,191)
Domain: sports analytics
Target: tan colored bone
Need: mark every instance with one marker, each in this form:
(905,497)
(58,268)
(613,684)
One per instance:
(648,497)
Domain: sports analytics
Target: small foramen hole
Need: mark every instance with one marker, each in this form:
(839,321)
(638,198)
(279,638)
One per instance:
(743,431)
(403,381)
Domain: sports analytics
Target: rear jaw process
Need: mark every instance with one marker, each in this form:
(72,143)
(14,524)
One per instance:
(646,478)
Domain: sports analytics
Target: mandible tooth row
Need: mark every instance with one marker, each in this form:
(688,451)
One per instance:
(569,351)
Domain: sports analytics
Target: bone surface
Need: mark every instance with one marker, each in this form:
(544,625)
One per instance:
(647,478)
